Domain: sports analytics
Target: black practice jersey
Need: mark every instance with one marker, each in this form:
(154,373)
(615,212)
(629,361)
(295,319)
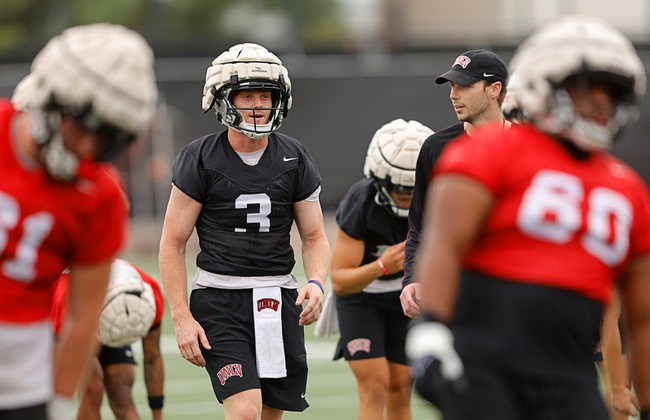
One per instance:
(360,217)
(245,224)
(431,150)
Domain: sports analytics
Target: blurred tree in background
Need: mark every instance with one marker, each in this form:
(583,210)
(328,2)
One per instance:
(173,27)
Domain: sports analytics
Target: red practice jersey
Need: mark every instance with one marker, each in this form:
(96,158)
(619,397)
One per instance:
(47,225)
(556,221)
(60,300)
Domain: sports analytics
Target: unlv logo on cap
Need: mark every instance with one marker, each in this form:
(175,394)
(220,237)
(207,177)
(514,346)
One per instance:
(463,61)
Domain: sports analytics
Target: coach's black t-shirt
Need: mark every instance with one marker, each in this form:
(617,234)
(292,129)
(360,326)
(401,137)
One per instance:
(431,150)
(360,217)
(245,223)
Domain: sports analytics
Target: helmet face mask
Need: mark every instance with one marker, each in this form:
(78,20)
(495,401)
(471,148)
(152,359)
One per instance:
(247,67)
(567,56)
(390,163)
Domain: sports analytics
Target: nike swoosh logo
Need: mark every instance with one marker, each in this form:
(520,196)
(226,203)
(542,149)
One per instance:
(286,159)
(302,395)
(487,75)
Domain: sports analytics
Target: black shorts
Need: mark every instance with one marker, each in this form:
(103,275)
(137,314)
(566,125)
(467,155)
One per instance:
(371,325)
(116,355)
(227,318)
(527,351)
(35,412)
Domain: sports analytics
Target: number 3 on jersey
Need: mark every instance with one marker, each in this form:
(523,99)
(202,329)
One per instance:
(35,229)
(551,210)
(261,217)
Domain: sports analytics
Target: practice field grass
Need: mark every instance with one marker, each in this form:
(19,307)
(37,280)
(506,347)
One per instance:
(331,388)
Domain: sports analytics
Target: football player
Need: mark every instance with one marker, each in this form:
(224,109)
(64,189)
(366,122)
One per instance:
(90,93)
(242,189)
(367,271)
(529,232)
(113,370)
(477,83)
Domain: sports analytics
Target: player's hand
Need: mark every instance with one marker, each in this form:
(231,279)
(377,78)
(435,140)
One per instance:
(409,299)
(625,402)
(189,334)
(393,257)
(436,368)
(314,295)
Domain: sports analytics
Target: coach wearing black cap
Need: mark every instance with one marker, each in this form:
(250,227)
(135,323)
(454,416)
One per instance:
(477,82)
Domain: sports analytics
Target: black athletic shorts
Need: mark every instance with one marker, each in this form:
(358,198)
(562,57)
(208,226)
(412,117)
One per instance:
(527,351)
(116,355)
(36,412)
(371,325)
(227,318)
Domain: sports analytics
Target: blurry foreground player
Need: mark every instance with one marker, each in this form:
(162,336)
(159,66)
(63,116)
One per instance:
(91,91)
(531,229)
(133,310)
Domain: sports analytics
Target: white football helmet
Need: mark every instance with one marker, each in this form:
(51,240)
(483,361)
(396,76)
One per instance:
(103,75)
(391,159)
(247,67)
(583,48)
(129,307)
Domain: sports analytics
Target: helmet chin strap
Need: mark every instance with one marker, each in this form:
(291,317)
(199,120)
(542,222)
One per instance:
(60,163)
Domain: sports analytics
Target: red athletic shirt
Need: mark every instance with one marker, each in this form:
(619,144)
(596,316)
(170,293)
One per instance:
(48,225)
(60,299)
(556,220)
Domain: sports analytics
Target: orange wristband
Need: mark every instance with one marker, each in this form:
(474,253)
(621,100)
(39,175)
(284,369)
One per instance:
(382,266)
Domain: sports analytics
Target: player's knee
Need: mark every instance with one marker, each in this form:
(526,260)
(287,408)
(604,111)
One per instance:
(375,388)
(399,392)
(247,410)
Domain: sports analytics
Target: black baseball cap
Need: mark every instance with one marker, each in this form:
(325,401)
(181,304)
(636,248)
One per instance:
(474,65)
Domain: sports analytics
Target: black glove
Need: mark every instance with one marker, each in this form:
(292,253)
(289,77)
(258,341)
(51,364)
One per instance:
(436,369)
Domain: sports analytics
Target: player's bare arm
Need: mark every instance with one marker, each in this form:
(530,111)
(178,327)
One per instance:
(154,373)
(618,390)
(180,218)
(77,342)
(315,256)
(634,291)
(348,276)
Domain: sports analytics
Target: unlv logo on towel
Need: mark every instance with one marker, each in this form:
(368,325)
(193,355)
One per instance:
(463,61)
(358,344)
(228,371)
(267,303)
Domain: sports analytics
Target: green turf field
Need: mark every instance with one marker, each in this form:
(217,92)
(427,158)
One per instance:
(331,389)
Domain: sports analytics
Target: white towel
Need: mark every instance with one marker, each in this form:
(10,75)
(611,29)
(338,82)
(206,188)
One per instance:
(269,345)
(328,323)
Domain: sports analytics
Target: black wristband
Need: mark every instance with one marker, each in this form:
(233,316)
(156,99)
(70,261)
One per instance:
(645,414)
(157,402)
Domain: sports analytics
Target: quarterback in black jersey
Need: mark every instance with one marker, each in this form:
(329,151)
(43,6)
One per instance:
(367,260)
(477,82)
(242,189)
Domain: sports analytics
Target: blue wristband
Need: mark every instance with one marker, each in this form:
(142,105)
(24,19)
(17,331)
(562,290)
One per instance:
(319,284)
